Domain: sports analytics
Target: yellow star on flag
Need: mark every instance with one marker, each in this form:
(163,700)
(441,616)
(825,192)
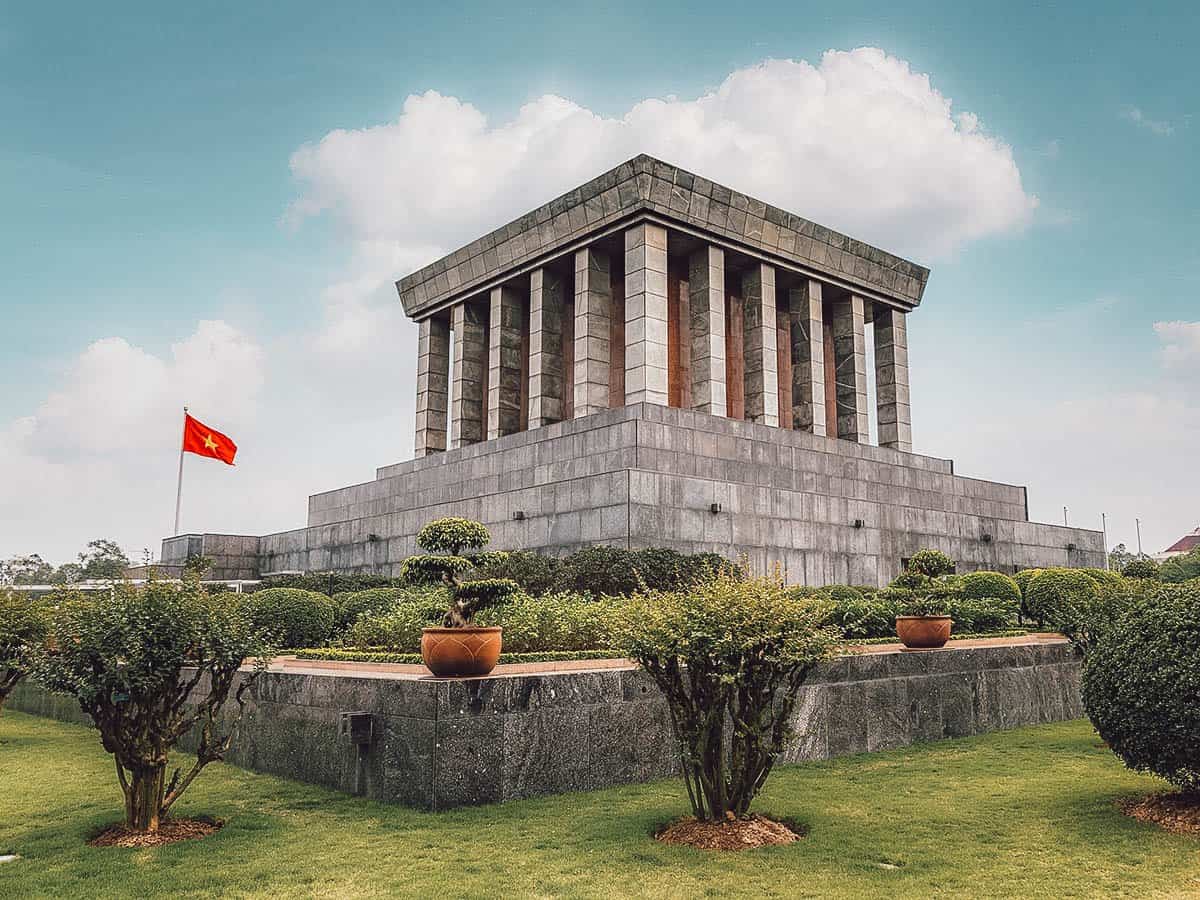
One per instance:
(209,443)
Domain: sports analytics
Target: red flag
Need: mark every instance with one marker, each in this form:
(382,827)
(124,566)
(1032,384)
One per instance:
(198,438)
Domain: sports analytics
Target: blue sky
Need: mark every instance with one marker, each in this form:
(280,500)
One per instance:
(149,182)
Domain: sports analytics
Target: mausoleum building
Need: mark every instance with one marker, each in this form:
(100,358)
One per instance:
(653,359)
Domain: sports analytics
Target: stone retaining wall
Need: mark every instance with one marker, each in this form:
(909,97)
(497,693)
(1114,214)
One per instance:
(446,743)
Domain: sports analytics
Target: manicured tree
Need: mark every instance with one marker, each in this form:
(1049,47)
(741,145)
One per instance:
(24,624)
(930,563)
(1141,682)
(446,540)
(1142,567)
(150,665)
(730,656)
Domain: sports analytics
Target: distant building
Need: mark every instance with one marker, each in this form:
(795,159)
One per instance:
(1185,544)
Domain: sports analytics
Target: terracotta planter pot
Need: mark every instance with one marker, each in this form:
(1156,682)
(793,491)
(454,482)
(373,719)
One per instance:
(455,652)
(923,632)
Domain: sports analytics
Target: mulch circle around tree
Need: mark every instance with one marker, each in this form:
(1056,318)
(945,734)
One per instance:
(732,834)
(1178,813)
(169,832)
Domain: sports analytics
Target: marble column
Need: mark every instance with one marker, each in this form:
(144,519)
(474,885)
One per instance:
(433,383)
(504,361)
(547,301)
(807,321)
(646,314)
(467,398)
(850,361)
(593,309)
(759,339)
(891,378)
(706,310)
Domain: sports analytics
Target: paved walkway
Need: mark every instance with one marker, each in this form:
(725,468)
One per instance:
(409,671)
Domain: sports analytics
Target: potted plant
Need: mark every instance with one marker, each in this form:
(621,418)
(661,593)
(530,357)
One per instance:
(924,623)
(458,647)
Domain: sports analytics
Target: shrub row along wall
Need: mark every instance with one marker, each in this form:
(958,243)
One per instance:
(442,744)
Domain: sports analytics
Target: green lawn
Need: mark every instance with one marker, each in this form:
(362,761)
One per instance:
(1025,813)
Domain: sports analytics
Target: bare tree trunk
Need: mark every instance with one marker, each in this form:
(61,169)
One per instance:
(144,809)
(8,682)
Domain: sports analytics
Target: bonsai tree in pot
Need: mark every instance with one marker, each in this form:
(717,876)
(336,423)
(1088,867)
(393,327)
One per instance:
(458,647)
(923,622)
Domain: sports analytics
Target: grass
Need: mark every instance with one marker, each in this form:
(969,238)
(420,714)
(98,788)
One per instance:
(1028,813)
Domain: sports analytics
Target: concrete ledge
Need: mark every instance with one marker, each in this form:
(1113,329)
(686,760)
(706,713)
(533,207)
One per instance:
(445,743)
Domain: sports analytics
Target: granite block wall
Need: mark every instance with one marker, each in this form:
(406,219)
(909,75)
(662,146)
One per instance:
(446,743)
(823,510)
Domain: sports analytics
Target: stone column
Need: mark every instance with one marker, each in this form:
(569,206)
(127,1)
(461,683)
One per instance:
(850,360)
(759,339)
(646,314)
(469,376)
(808,357)
(593,309)
(706,300)
(433,382)
(547,298)
(504,362)
(891,378)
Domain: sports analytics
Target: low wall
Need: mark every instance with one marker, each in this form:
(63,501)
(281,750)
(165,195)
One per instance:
(445,743)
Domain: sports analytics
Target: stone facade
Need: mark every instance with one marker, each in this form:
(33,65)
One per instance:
(446,743)
(825,510)
(654,359)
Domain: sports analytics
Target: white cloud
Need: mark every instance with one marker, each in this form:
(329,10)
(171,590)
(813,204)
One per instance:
(1180,345)
(859,142)
(1155,126)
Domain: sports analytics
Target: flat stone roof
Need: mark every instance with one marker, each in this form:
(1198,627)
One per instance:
(644,187)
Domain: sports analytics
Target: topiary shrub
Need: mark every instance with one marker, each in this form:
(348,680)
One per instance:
(981,615)
(24,626)
(729,655)
(930,563)
(1070,601)
(352,604)
(990,585)
(453,535)
(293,617)
(1143,567)
(1141,682)
(446,539)
(1022,579)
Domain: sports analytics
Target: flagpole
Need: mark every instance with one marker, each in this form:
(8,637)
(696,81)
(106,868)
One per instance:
(179,485)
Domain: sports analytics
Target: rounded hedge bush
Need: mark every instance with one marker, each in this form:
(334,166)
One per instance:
(989,586)
(1055,596)
(1023,578)
(294,618)
(352,604)
(1141,568)
(1141,682)
(930,563)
